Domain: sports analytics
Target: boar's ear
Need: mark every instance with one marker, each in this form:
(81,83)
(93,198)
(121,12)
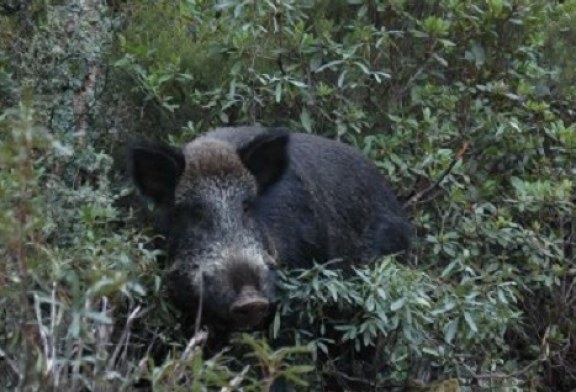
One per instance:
(266,157)
(156,170)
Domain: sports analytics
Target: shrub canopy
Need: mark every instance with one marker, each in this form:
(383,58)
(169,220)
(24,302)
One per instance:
(466,106)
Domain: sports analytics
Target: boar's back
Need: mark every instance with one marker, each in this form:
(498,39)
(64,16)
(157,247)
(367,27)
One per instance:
(331,202)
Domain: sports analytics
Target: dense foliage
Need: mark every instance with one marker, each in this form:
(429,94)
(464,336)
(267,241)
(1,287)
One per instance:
(466,106)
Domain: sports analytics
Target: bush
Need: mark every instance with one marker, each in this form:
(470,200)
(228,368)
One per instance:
(447,99)
(465,106)
(396,319)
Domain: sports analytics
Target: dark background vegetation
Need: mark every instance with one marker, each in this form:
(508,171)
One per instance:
(467,106)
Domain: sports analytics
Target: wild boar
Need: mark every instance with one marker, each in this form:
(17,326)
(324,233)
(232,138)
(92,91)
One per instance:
(237,203)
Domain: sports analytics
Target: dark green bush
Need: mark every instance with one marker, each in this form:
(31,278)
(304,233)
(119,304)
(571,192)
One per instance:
(466,106)
(446,97)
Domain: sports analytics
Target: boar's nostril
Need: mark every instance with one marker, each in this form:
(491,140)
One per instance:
(249,308)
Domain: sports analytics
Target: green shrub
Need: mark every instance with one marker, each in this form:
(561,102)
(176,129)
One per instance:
(465,106)
(446,98)
(406,316)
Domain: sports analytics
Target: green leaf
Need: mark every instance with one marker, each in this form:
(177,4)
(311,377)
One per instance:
(99,317)
(278,93)
(470,321)
(398,304)
(305,120)
(450,330)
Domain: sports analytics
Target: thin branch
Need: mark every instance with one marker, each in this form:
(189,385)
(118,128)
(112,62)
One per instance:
(236,381)
(414,199)
(499,375)
(11,364)
(124,338)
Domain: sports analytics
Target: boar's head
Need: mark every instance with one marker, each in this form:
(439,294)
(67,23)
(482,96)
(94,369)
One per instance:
(221,261)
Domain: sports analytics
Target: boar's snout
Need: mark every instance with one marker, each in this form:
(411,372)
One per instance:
(249,308)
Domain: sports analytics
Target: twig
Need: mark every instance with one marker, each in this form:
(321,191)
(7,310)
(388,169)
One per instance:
(46,341)
(414,76)
(11,363)
(198,321)
(123,341)
(197,340)
(235,382)
(343,376)
(414,199)
(503,375)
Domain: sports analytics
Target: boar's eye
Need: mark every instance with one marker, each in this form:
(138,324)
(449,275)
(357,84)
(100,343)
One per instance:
(192,213)
(247,205)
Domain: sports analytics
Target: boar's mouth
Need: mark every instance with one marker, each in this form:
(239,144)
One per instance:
(236,294)
(249,309)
